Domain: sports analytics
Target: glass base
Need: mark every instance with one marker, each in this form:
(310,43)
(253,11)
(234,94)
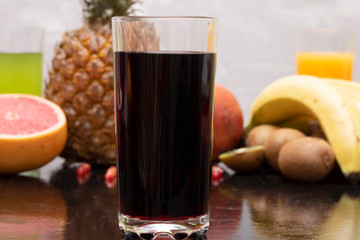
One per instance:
(192,228)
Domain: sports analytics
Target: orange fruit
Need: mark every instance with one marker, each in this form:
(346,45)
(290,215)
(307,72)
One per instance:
(33,131)
(228,121)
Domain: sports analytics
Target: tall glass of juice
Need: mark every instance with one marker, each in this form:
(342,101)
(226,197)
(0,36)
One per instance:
(164,93)
(325,53)
(21,60)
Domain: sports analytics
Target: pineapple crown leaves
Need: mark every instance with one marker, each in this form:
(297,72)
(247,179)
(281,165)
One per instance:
(101,11)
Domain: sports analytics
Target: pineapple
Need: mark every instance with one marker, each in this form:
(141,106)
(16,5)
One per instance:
(81,82)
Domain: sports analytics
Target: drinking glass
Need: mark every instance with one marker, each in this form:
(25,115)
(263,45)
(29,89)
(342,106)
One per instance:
(164,94)
(325,53)
(21,60)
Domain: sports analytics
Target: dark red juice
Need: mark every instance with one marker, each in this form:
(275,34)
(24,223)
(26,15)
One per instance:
(164,109)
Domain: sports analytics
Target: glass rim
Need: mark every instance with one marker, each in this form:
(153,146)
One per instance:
(326,30)
(163,18)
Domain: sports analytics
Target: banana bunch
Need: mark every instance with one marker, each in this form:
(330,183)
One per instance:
(334,104)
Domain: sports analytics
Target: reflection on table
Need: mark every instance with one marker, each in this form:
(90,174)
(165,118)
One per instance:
(56,205)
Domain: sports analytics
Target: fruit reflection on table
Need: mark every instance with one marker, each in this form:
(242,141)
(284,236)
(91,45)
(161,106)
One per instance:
(260,205)
(276,208)
(31,209)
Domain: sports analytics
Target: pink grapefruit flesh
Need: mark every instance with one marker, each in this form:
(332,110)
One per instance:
(33,131)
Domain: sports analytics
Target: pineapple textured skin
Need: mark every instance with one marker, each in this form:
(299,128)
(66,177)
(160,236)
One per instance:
(81,82)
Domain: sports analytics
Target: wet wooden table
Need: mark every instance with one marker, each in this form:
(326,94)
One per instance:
(53,204)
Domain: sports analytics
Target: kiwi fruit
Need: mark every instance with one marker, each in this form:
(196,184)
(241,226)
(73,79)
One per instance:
(244,160)
(307,159)
(259,134)
(276,140)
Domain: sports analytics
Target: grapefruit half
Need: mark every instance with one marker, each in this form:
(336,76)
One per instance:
(33,131)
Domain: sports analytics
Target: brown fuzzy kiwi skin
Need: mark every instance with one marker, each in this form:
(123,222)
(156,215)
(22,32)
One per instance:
(259,134)
(306,159)
(275,142)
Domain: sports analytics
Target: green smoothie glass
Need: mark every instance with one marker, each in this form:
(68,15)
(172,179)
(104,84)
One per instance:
(21,60)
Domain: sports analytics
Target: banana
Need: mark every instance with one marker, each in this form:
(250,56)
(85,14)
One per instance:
(329,102)
(302,123)
(305,124)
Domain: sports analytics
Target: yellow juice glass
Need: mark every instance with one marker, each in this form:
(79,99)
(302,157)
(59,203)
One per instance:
(329,64)
(325,53)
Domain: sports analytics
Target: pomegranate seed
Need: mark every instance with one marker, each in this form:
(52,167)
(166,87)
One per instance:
(110,173)
(83,178)
(83,169)
(110,176)
(111,183)
(83,172)
(216,173)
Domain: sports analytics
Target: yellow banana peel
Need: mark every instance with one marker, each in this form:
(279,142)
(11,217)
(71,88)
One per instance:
(302,123)
(334,104)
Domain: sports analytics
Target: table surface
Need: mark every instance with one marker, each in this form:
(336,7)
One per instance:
(52,203)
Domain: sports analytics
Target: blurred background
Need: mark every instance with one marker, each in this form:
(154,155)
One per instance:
(257,39)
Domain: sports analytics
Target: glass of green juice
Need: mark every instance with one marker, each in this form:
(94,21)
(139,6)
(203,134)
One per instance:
(21,59)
